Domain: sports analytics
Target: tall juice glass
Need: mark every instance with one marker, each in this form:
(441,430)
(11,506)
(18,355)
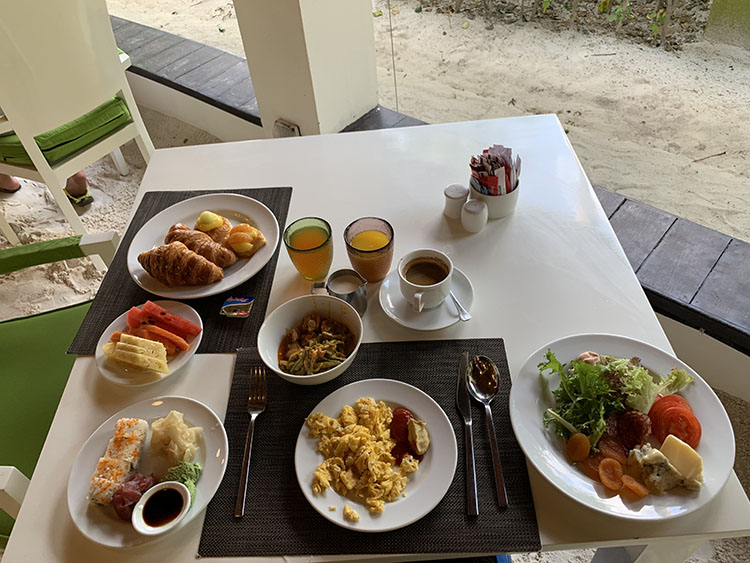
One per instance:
(369,244)
(310,246)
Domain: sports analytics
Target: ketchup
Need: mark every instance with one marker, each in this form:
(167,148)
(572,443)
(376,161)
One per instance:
(400,434)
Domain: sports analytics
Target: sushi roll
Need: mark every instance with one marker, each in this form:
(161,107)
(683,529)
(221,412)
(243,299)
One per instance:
(102,490)
(131,427)
(127,448)
(120,459)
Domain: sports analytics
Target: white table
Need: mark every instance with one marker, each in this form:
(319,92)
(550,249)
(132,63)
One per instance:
(557,253)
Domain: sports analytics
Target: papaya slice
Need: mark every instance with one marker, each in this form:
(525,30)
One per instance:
(143,333)
(180,343)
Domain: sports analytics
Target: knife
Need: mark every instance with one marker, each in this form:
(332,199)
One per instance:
(464,407)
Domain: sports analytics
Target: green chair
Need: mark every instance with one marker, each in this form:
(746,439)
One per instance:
(35,367)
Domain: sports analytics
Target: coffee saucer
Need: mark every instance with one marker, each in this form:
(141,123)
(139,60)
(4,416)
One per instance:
(442,316)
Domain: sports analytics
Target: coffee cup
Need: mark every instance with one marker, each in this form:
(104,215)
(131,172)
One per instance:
(425,278)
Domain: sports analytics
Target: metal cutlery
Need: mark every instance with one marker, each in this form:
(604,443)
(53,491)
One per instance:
(464,407)
(463,314)
(484,384)
(256,404)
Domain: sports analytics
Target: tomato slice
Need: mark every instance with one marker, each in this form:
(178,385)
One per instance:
(680,421)
(661,404)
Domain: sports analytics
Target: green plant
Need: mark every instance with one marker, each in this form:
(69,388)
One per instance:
(545,6)
(657,20)
(621,12)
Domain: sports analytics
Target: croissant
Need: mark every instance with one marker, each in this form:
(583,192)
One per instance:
(206,222)
(200,242)
(245,240)
(174,264)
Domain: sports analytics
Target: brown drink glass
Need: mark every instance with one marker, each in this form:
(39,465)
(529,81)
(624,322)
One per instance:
(369,244)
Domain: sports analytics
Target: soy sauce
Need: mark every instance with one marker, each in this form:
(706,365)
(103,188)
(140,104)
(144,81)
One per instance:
(163,507)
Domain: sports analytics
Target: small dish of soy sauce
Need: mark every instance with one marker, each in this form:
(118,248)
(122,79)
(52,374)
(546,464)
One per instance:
(161,508)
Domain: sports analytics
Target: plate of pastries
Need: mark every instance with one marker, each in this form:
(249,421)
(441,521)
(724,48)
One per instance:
(203,246)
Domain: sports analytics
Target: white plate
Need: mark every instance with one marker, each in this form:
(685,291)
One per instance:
(122,375)
(236,208)
(100,523)
(426,486)
(529,399)
(443,316)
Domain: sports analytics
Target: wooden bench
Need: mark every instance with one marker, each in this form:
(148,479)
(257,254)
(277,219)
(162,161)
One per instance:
(692,274)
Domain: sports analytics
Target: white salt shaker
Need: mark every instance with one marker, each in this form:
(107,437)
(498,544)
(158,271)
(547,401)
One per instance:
(455,197)
(474,215)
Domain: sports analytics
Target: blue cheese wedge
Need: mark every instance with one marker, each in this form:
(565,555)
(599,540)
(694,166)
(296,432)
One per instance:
(658,473)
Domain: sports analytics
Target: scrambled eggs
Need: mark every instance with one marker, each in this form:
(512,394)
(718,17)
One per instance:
(357,447)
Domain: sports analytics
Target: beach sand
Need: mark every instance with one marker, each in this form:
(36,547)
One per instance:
(638,118)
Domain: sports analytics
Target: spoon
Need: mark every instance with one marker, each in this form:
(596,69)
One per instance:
(484,384)
(463,314)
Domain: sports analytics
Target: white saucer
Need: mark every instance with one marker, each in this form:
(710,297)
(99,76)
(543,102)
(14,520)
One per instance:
(443,316)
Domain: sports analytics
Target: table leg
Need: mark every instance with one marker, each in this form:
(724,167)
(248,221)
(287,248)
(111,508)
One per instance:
(661,552)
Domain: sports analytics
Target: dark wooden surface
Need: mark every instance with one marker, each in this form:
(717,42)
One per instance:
(690,273)
(206,73)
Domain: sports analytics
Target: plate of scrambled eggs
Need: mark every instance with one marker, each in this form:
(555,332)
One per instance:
(344,464)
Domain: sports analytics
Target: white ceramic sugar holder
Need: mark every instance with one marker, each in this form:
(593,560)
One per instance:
(497,205)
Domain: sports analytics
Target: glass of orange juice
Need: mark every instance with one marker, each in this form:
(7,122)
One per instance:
(369,244)
(310,246)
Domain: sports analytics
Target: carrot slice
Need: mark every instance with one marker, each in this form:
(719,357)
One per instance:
(180,343)
(578,447)
(610,473)
(634,486)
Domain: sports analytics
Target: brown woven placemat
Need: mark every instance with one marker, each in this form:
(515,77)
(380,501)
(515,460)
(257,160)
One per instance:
(279,520)
(118,292)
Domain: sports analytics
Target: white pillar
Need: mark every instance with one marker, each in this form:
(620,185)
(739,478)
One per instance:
(312,62)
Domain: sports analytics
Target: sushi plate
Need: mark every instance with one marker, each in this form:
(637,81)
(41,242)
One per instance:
(100,523)
(129,377)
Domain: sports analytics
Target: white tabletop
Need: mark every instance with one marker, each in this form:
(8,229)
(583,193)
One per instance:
(552,269)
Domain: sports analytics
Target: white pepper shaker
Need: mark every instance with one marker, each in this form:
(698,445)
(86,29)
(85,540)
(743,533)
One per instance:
(455,197)
(474,215)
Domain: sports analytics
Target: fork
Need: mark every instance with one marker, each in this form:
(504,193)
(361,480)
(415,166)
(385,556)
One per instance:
(256,404)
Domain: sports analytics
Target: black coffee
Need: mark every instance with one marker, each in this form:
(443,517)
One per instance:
(426,271)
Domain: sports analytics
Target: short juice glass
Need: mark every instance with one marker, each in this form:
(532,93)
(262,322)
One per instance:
(310,246)
(369,244)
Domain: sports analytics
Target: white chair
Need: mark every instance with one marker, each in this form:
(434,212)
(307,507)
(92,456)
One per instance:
(58,61)
(13,485)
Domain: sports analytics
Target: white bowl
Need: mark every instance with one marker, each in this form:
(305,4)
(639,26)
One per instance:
(289,315)
(140,524)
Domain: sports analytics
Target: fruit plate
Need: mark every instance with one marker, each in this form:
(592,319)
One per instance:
(122,375)
(237,209)
(100,523)
(531,395)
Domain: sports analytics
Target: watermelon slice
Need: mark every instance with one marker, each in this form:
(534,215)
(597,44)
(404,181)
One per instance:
(136,317)
(173,323)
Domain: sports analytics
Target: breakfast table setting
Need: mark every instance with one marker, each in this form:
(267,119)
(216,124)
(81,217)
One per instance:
(440,269)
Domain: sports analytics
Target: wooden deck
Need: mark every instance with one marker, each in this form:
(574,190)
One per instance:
(692,274)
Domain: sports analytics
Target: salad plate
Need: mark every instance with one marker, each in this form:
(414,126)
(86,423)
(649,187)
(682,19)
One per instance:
(427,486)
(100,523)
(531,395)
(128,377)
(237,209)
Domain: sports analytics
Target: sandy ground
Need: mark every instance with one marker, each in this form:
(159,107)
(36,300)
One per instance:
(637,117)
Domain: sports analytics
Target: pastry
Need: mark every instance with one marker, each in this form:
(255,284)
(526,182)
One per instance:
(245,240)
(200,242)
(215,226)
(174,264)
